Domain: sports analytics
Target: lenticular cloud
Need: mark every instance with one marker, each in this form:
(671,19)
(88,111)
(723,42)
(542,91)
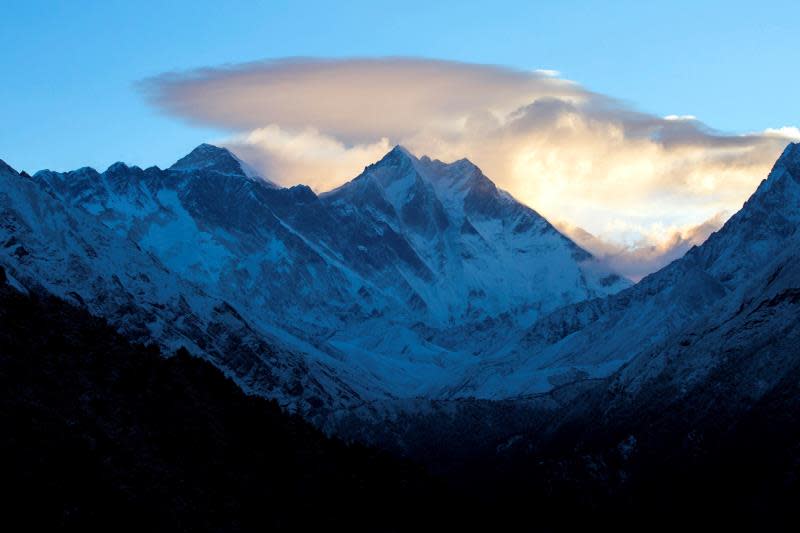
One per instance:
(580,158)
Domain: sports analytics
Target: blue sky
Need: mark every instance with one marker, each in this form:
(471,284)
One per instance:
(69,68)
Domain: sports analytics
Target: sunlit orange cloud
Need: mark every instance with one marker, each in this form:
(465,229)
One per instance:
(638,182)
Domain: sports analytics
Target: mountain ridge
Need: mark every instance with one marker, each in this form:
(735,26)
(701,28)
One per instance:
(621,327)
(387,286)
(364,312)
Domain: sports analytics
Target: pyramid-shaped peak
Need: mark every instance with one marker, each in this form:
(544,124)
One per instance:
(399,149)
(397,164)
(210,157)
(397,156)
(793,149)
(401,154)
(206,149)
(786,168)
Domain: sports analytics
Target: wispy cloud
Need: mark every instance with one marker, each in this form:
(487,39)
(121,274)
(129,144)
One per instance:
(584,159)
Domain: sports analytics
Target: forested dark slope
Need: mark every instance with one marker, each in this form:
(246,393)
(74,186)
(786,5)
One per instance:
(100,434)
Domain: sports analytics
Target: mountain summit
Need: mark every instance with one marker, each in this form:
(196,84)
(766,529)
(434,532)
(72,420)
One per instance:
(210,158)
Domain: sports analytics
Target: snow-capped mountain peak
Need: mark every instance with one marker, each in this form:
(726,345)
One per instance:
(398,164)
(791,154)
(787,164)
(210,158)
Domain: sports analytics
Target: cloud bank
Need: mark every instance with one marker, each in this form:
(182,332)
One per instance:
(651,252)
(641,184)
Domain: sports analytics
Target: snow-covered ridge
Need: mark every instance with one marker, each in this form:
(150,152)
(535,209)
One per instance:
(636,328)
(393,284)
(47,245)
(416,279)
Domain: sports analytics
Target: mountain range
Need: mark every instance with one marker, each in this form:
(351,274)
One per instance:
(421,309)
(390,286)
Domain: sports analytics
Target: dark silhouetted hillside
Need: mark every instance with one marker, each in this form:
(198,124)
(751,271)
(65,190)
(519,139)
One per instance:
(100,434)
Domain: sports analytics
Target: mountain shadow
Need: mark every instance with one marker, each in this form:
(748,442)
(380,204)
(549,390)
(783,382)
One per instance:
(101,434)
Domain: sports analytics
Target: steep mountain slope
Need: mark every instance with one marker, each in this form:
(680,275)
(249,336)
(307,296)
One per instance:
(709,285)
(705,423)
(391,283)
(698,429)
(48,246)
(753,331)
(475,252)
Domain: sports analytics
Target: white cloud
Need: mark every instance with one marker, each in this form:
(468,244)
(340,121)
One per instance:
(652,247)
(680,117)
(307,156)
(786,132)
(633,179)
(547,72)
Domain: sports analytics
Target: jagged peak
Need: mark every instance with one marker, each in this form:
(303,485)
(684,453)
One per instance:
(787,166)
(209,157)
(768,217)
(400,149)
(397,163)
(397,155)
(206,148)
(425,167)
(461,177)
(401,165)
(792,150)
(458,170)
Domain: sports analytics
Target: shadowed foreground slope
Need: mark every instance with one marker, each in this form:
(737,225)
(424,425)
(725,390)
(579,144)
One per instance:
(101,434)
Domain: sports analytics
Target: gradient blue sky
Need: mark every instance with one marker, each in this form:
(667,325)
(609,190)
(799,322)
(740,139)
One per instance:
(68,68)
